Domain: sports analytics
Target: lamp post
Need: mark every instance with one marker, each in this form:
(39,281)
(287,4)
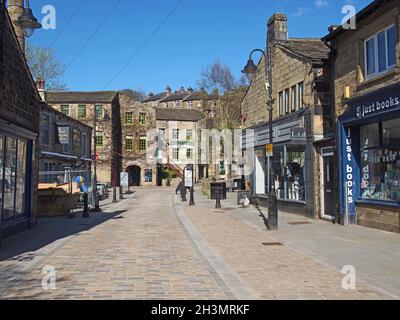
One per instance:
(251,70)
(27,21)
(95,196)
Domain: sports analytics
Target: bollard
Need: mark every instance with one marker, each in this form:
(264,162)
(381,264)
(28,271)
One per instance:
(85,206)
(115,195)
(121,193)
(191,197)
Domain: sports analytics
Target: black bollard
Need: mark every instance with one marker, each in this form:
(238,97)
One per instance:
(85,205)
(191,197)
(121,193)
(115,195)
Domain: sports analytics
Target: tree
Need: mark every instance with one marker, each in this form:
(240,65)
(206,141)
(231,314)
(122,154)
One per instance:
(217,77)
(44,65)
(135,95)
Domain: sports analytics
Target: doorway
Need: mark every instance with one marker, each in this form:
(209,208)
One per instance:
(327,184)
(135,178)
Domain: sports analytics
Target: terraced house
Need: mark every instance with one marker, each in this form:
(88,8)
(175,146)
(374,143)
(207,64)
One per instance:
(303,130)
(366,78)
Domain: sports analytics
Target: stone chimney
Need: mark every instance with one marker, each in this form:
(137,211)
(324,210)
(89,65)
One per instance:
(168,89)
(41,87)
(277,28)
(15,10)
(190,89)
(182,90)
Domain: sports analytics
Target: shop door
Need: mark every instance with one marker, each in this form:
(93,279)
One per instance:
(328,187)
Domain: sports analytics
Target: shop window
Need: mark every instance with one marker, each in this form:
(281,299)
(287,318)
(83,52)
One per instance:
(20,178)
(1,172)
(10,173)
(380,52)
(370,135)
(380,162)
(289,169)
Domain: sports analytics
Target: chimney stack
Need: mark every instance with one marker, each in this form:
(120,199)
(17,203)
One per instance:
(15,10)
(168,89)
(277,28)
(41,87)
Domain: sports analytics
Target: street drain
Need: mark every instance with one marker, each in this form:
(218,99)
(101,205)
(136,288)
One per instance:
(299,223)
(271,244)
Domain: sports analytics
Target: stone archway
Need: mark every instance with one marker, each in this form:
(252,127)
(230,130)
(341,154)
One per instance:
(135,176)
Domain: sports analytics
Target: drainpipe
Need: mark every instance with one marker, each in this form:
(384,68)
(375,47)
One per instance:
(332,58)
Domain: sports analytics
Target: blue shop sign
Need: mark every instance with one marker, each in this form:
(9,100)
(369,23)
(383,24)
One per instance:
(376,104)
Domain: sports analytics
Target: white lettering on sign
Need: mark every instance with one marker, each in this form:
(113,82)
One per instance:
(349,169)
(392,102)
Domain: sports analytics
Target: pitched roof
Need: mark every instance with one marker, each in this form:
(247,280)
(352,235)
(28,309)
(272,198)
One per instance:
(175,97)
(81,97)
(310,49)
(179,115)
(158,96)
(368,10)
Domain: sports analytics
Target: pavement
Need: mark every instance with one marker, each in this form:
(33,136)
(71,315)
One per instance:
(152,246)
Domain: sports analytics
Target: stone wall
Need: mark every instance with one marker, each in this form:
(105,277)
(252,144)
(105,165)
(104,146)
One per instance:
(19,99)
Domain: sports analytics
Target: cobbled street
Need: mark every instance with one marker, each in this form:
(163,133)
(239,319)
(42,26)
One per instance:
(150,246)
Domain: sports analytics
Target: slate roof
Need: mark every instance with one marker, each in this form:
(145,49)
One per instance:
(189,115)
(364,13)
(175,97)
(155,97)
(80,97)
(313,50)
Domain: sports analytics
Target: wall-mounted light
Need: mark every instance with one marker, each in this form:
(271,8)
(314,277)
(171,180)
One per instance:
(347,91)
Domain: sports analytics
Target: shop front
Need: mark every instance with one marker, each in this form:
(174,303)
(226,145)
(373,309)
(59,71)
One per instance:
(370,152)
(16,157)
(289,163)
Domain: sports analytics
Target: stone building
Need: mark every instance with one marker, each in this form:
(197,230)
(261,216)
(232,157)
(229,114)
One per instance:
(302,160)
(64,143)
(180,115)
(138,120)
(101,110)
(366,78)
(19,129)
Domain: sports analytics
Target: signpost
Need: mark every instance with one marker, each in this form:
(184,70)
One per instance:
(189,182)
(270,150)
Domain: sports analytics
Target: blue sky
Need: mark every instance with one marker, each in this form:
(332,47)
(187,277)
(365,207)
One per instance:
(197,33)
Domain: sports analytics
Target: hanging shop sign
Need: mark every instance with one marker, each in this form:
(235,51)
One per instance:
(76,137)
(63,134)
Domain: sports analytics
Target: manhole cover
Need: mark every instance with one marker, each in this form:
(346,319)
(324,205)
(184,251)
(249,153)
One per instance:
(299,223)
(271,244)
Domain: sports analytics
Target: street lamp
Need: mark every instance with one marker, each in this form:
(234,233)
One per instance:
(251,70)
(28,22)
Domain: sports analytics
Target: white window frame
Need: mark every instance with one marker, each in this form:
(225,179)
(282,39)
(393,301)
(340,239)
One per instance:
(175,137)
(175,153)
(376,52)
